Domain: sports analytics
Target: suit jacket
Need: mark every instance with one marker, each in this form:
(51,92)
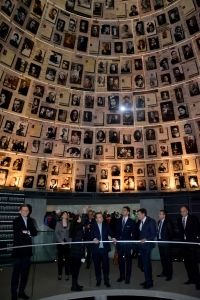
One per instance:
(148,232)
(129,232)
(61,232)
(23,239)
(95,233)
(192,229)
(167,230)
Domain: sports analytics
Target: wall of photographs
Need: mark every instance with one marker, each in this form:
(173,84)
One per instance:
(100,96)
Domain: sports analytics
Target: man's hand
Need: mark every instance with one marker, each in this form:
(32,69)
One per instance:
(143,240)
(88,226)
(63,243)
(85,208)
(25,231)
(96,241)
(114,241)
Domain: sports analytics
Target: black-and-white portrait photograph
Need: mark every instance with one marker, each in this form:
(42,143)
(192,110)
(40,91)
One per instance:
(115,31)
(177,165)
(74,116)
(35,146)
(18,105)
(94,30)
(99,150)
(101,136)
(39,90)
(140,171)
(24,87)
(55,59)
(166,79)
(176,148)
(126,31)
(109,4)
(114,68)
(4,31)
(53,184)
(50,74)
(113,102)
(101,80)
(57,38)
(154,43)
(75,137)
(66,183)
(138,64)
(87,153)
(183,111)
(175,131)
(192,25)
(87,116)
(128,168)
(151,63)
(60,26)
(55,169)
(152,150)
(158,4)
(105,29)
(198,43)
(5,162)
(126,66)
(48,147)
(164,183)
(5,97)
(114,136)
(106,48)
(175,57)
(88,82)
(179,95)
(112,83)
(127,102)
(34,70)
(161,19)
(27,47)
(125,152)
(113,118)
(139,28)
(163,167)
(194,89)
(129,47)
(153,82)
(92,182)
(145,5)
(193,181)
(62,78)
(164,64)
(69,40)
(150,134)
(82,43)
(38,8)
(75,100)
(89,101)
(133,11)
(20,15)
(76,73)
(165,95)
(88,137)
(116,185)
(152,184)
(21,65)
(63,134)
(104,174)
(139,81)
(41,181)
(27,2)
(153,116)
(101,101)
(62,115)
(128,118)
(21,129)
(174,15)
(32,25)
(4,142)
(118,47)
(47,113)
(103,187)
(187,51)
(141,185)
(164,150)
(17,164)
(178,74)
(190,144)
(102,67)
(19,146)
(187,128)
(179,180)
(150,27)
(140,115)
(179,34)
(151,170)
(51,132)
(15,39)
(51,14)
(167,111)
(126,139)
(79,185)
(8,127)
(28,182)
(7,7)
(65,64)
(83,27)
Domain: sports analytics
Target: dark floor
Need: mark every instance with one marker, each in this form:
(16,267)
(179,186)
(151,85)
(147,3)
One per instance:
(43,281)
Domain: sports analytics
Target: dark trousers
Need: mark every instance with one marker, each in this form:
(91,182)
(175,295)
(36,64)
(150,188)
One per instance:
(63,251)
(124,256)
(145,254)
(21,266)
(76,264)
(89,255)
(191,262)
(101,257)
(166,259)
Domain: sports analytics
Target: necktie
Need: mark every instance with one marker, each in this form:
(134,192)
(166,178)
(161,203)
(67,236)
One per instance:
(101,244)
(123,224)
(25,222)
(183,222)
(159,230)
(141,226)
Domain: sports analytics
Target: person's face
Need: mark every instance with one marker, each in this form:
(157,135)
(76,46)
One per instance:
(174,55)
(181,111)
(133,8)
(99,218)
(54,12)
(2,97)
(187,49)
(103,172)
(90,215)
(165,79)
(161,215)
(140,216)
(139,81)
(139,26)
(151,148)
(129,45)
(15,37)
(71,24)
(118,47)
(113,102)
(32,24)
(116,82)
(175,130)
(111,81)
(112,67)
(184,211)
(187,128)
(17,105)
(151,28)
(4,139)
(164,182)
(24,212)
(125,212)
(48,145)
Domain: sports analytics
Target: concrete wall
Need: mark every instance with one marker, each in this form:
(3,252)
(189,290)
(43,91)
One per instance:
(39,210)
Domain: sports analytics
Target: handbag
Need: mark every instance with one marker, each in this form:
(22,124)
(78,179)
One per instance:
(115,258)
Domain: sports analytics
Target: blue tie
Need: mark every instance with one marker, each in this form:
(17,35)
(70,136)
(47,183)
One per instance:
(101,244)
(123,224)
(159,230)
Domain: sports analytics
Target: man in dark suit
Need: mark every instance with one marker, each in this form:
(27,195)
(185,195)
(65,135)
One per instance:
(99,232)
(125,230)
(165,233)
(189,228)
(147,232)
(24,229)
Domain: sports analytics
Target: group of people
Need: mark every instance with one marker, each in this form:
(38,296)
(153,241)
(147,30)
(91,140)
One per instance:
(96,228)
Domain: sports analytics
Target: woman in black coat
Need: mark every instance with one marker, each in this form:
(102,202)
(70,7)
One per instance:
(77,252)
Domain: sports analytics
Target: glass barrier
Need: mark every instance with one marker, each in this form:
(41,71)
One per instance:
(44,280)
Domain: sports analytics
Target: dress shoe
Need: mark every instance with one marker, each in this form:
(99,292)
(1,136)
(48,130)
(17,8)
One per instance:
(143,283)
(120,279)
(127,281)
(23,296)
(59,277)
(66,277)
(168,278)
(107,284)
(162,275)
(14,298)
(188,282)
(98,283)
(147,286)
